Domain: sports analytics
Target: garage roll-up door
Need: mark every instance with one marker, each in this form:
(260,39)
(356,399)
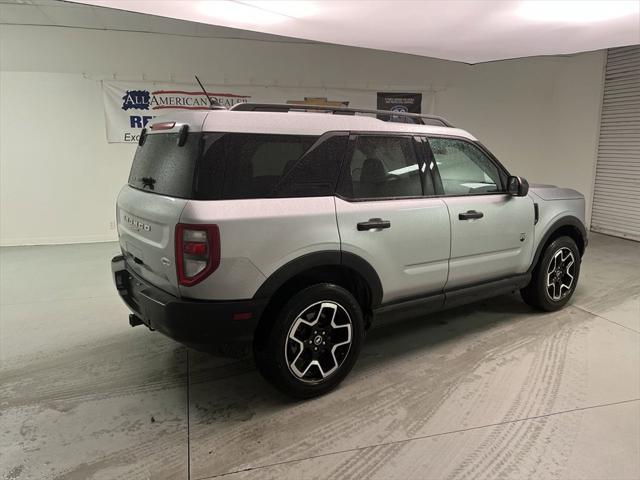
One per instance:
(616,198)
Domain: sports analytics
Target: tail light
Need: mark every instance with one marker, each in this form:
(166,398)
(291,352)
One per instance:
(197,252)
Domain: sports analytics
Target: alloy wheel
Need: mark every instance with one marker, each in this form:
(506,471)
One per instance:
(318,341)
(560,274)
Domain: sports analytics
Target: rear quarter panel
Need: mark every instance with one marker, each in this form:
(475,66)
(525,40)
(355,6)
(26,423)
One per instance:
(257,237)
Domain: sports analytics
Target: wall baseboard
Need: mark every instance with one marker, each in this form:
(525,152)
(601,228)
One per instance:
(22,242)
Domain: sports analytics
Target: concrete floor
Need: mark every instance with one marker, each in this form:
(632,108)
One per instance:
(492,390)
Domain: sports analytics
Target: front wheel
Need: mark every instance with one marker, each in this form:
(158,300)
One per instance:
(314,342)
(555,277)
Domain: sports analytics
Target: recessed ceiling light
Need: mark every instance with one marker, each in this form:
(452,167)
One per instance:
(576,11)
(240,13)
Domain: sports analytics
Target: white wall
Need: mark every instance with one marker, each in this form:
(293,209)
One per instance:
(59,178)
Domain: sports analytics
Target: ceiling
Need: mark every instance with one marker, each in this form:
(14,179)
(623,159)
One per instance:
(471,31)
(64,14)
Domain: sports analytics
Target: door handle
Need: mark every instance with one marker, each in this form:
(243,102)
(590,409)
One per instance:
(470,215)
(374,224)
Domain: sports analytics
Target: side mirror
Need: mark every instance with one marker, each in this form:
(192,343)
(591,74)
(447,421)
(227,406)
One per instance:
(517,186)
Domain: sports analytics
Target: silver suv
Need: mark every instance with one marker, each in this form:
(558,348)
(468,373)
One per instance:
(295,231)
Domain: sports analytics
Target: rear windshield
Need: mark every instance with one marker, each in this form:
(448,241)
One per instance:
(217,166)
(161,166)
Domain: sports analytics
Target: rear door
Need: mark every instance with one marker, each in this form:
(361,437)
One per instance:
(384,218)
(149,207)
(491,231)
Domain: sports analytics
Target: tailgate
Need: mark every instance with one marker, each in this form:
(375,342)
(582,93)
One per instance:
(146,227)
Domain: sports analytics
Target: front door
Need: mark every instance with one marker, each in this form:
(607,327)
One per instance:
(491,231)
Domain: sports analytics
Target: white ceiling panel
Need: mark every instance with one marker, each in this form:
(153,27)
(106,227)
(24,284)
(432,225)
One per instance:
(465,30)
(67,14)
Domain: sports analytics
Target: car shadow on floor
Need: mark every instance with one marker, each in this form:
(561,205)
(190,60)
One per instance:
(214,381)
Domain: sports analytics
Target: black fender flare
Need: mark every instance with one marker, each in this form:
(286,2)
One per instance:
(568,221)
(323,259)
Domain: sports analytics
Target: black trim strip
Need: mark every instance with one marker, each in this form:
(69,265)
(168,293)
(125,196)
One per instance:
(568,221)
(472,293)
(415,307)
(326,258)
(409,308)
(369,273)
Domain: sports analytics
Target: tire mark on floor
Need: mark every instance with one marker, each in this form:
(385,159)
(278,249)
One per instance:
(497,455)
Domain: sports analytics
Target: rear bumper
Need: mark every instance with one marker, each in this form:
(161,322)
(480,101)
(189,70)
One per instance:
(195,322)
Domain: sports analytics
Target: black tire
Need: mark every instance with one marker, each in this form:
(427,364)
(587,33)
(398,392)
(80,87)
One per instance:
(277,351)
(539,294)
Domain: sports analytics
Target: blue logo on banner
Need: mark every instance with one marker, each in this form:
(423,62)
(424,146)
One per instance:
(136,99)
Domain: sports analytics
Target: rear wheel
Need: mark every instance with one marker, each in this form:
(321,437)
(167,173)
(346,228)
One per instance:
(314,341)
(554,279)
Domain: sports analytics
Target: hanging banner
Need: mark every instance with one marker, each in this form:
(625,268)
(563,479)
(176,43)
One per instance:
(130,106)
(399,102)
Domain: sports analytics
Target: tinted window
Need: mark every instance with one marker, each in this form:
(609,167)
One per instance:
(464,169)
(161,166)
(244,165)
(315,174)
(238,165)
(382,167)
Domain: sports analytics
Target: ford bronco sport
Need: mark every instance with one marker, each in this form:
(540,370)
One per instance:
(294,231)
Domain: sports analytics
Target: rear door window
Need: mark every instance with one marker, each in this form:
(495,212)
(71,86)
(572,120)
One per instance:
(382,167)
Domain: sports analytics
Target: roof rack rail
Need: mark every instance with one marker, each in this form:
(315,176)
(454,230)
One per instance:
(301,107)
